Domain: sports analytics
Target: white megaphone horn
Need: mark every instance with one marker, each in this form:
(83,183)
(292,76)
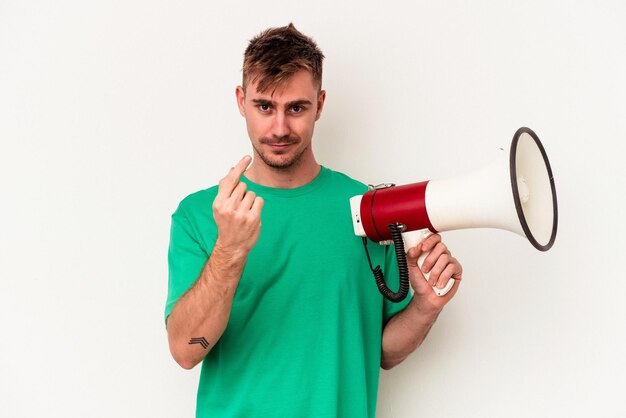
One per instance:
(515,192)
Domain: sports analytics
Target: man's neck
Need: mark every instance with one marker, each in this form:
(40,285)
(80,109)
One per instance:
(283,178)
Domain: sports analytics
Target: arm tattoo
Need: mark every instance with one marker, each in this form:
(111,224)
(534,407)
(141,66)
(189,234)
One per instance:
(200,340)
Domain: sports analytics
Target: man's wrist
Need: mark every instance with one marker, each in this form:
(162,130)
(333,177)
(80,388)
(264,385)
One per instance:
(424,310)
(224,268)
(229,254)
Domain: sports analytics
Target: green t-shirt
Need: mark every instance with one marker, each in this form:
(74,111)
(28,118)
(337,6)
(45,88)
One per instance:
(304,335)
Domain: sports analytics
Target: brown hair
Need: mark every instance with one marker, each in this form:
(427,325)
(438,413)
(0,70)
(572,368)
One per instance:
(276,54)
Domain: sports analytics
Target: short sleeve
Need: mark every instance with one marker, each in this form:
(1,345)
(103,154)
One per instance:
(392,276)
(186,258)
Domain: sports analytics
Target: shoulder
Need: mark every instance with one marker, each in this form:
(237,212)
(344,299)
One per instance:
(344,181)
(197,202)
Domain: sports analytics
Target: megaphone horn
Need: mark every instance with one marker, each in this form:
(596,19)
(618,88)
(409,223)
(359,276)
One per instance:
(516,192)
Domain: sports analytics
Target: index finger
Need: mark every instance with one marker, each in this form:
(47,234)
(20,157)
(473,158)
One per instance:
(414,253)
(228,183)
(430,242)
(240,168)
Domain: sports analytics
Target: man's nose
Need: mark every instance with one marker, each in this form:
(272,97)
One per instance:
(280,127)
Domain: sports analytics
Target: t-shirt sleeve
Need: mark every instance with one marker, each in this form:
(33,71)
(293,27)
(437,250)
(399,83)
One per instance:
(392,276)
(186,258)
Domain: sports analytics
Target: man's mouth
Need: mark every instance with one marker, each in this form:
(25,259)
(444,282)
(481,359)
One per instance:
(279,146)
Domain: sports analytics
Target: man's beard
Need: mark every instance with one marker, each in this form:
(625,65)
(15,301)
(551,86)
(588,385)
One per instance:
(281,164)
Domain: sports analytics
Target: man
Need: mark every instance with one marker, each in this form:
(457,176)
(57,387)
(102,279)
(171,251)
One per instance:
(286,317)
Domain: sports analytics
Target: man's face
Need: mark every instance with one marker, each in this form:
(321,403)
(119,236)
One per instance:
(280,122)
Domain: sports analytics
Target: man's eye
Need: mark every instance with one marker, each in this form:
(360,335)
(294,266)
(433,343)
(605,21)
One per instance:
(264,107)
(296,109)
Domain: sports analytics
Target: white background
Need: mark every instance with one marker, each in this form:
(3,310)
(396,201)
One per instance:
(113,111)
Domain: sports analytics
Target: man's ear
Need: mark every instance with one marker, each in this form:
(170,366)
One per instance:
(320,104)
(241,98)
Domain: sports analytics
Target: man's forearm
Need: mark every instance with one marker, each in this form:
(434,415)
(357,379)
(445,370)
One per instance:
(404,333)
(200,316)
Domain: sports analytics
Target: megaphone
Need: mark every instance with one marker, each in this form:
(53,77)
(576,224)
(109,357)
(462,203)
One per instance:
(515,192)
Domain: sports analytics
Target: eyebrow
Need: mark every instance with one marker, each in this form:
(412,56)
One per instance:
(299,102)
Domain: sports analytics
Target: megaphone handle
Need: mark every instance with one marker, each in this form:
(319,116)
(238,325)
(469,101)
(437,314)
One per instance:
(413,238)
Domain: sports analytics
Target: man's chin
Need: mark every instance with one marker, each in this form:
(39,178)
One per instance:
(280,162)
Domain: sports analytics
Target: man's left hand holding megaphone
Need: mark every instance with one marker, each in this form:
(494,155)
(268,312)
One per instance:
(437,268)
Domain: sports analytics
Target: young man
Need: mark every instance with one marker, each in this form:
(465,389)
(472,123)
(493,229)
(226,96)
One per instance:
(285,316)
